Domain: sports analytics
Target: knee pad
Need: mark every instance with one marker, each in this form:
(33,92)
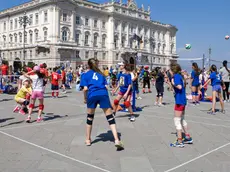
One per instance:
(116,102)
(90,118)
(127,104)
(184,123)
(31,106)
(26,102)
(193,93)
(196,93)
(177,122)
(110,119)
(157,95)
(41,107)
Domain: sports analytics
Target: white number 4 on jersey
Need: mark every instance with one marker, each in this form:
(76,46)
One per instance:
(95,76)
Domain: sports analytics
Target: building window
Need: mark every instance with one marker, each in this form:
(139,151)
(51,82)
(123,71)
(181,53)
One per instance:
(86,39)
(103,41)
(77,54)
(31,54)
(15,54)
(64,17)
(4,26)
(11,40)
(123,42)
(77,20)
(20,38)
(64,35)
(25,54)
(123,27)
(20,54)
(95,40)
(163,51)
(45,16)
(15,38)
(15,23)
(115,42)
(95,55)
(36,36)
(3,55)
(103,56)
(36,18)
(117,56)
(103,25)
(159,60)
(11,56)
(163,60)
(87,54)
(77,36)
(116,26)
(45,35)
(31,19)
(31,37)
(95,23)
(25,37)
(11,24)
(86,22)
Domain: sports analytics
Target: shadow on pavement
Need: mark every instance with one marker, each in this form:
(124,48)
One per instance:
(13,123)
(5,119)
(48,118)
(5,100)
(105,137)
(126,115)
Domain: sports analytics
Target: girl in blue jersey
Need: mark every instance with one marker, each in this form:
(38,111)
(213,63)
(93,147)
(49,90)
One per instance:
(95,92)
(216,82)
(179,109)
(195,84)
(125,85)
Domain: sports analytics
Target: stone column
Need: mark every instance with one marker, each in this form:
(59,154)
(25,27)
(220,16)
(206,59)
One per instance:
(127,39)
(110,39)
(73,26)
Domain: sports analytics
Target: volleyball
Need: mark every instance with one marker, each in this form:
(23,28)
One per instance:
(227,37)
(188,46)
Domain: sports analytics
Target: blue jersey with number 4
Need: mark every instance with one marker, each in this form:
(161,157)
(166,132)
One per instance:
(95,82)
(195,77)
(215,78)
(180,94)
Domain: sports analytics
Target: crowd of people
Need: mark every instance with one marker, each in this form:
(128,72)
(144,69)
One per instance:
(122,82)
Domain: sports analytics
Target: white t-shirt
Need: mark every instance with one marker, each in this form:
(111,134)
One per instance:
(225,74)
(132,75)
(23,78)
(37,83)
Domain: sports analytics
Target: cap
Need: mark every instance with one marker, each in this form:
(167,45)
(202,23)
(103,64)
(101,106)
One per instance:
(114,70)
(36,68)
(121,64)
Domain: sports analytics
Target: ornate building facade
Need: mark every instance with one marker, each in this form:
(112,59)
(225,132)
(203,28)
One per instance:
(75,30)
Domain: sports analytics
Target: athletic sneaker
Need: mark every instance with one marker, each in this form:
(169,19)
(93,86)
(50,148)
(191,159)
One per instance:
(21,111)
(211,113)
(222,111)
(119,145)
(132,118)
(16,109)
(155,103)
(39,119)
(197,103)
(228,101)
(160,105)
(28,119)
(188,140)
(177,144)
(139,98)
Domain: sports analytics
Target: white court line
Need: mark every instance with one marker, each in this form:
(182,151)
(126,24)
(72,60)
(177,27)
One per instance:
(194,159)
(154,116)
(54,152)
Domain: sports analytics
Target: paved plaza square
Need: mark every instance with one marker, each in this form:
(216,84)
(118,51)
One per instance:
(57,143)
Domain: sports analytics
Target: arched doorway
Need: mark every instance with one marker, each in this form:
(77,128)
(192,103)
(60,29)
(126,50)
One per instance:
(17,65)
(132,63)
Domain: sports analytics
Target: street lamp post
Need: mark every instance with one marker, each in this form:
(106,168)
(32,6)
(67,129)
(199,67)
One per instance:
(24,20)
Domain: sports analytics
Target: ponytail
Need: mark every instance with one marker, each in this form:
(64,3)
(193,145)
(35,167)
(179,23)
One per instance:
(93,65)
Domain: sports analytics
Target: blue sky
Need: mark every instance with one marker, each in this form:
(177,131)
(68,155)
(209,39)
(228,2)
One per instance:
(201,23)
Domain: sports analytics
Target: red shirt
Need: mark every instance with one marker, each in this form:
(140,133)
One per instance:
(4,69)
(63,75)
(44,71)
(55,78)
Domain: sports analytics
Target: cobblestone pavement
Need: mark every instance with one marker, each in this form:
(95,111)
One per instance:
(57,144)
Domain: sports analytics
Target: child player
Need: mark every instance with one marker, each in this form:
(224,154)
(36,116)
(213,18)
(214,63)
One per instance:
(125,85)
(179,110)
(55,78)
(21,97)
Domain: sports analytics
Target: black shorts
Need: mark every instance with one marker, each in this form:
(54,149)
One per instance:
(44,82)
(54,87)
(160,88)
